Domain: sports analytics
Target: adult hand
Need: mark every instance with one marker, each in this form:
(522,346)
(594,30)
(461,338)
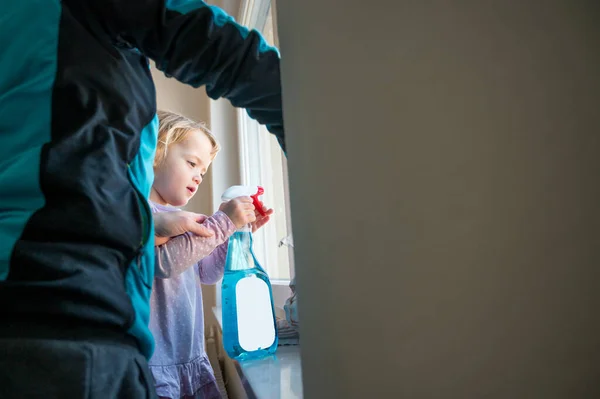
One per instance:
(171,224)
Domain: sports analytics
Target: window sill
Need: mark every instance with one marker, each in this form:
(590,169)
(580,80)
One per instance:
(285,282)
(278,376)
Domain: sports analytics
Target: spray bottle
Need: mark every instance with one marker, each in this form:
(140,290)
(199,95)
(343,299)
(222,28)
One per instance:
(249,325)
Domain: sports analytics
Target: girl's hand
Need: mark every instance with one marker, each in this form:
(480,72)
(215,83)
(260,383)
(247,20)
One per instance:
(260,219)
(240,210)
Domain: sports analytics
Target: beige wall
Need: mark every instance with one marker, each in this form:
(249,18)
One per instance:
(444,163)
(193,103)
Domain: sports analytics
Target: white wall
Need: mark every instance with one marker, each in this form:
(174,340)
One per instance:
(444,163)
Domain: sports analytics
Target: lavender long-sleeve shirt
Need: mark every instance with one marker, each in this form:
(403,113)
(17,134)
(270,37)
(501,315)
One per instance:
(179,364)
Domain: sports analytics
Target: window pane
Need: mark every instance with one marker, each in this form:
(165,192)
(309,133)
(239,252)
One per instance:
(264,165)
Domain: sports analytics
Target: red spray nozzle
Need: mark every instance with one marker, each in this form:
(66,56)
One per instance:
(257,203)
(247,191)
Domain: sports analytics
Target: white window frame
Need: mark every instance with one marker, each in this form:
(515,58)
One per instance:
(255,154)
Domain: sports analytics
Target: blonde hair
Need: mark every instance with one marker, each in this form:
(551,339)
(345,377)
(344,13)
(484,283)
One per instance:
(174,128)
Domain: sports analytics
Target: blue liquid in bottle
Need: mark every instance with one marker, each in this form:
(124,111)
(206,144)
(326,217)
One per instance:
(249,326)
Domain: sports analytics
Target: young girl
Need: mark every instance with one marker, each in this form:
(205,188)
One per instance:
(180,366)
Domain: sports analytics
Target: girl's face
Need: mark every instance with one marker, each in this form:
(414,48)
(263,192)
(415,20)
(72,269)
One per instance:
(177,178)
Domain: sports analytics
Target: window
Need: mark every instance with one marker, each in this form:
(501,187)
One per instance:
(263,163)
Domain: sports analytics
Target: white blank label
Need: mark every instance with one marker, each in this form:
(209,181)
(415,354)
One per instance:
(256,327)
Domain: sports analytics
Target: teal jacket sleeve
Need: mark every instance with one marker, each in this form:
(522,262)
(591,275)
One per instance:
(199,45)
